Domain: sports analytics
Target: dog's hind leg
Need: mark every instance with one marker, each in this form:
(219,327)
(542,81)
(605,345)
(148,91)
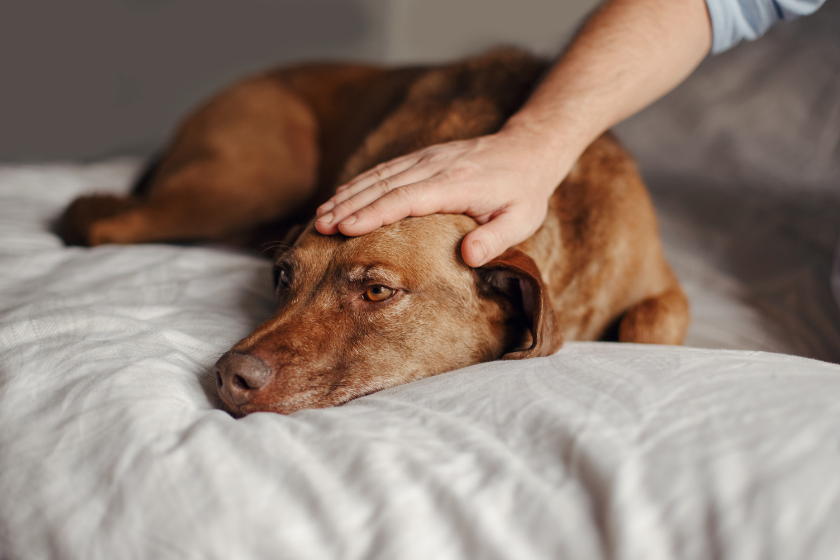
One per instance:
(74,225)
(248,157)
(206,201)
(659,319)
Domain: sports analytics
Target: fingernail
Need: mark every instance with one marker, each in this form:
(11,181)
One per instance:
(348,221)
(479,249)
(326,218)
(326,207)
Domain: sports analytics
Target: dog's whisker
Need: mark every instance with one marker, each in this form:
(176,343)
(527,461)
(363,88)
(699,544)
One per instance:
(278,245)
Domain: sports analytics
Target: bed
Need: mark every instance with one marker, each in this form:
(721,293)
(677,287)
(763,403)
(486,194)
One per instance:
(112,444)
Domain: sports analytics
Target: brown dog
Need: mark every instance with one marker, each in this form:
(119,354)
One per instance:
(357,315)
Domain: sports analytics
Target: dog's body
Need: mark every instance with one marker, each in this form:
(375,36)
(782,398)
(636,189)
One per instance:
(356,315)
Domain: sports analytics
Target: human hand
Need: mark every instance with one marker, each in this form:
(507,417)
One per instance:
(503,181)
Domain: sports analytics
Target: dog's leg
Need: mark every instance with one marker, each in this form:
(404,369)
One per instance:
(660,319)
(208,201)
(74,225)
(204,201)
(248,157)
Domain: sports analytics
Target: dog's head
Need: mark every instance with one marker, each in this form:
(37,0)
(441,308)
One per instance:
(357,315)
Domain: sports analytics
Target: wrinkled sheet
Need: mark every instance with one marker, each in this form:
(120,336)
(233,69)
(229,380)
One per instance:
(111,445)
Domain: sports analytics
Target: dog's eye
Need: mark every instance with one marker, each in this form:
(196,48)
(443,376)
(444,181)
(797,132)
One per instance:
(378,293)
(281,277)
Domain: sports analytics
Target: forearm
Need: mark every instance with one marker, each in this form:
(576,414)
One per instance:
(627,55)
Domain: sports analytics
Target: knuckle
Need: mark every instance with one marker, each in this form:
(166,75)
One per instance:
(458,173)
(434,156)
(403,194)
(383,187)
(402,199)
(345,207)
(375,212)
(378,172)
(344,196)
(374,208)
(396,202)
(383,170)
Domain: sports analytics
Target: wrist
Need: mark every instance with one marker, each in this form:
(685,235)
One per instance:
(550,147)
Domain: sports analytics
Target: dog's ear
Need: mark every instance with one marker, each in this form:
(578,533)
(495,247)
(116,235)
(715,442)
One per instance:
(516,275)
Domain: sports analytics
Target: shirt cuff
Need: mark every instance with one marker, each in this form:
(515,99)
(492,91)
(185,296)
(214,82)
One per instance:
(737,20)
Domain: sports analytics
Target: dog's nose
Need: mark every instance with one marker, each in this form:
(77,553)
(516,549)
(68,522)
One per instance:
(239,377)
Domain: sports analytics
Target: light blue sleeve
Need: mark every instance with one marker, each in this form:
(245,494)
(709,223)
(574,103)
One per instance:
(735,20)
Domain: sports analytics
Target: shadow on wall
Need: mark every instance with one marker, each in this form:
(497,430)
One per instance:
(90,78)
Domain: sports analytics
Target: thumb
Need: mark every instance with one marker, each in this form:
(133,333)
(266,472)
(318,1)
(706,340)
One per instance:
(487,242)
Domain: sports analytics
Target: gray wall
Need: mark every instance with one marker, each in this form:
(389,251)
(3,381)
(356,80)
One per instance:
(438,30)
(89,78)
(86,79)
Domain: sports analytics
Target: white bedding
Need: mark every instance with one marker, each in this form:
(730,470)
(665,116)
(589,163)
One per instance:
(111,445)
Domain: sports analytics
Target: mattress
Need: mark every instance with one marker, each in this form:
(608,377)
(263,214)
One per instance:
(112,444)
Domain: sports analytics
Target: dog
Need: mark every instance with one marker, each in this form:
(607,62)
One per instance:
(358,315)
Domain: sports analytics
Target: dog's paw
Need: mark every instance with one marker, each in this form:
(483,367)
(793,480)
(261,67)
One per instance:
(77,222)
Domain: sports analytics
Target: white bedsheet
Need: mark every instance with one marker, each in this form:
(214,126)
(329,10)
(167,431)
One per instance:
(111,445)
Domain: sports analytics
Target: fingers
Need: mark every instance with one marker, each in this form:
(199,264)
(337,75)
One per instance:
(490,240)
(353,198)
(329,223)
(398,172)
(389,199)
(390,208)
(387,171)
(371,210)
(379,172)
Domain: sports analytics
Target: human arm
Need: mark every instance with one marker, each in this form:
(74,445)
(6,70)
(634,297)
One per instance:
(629,53)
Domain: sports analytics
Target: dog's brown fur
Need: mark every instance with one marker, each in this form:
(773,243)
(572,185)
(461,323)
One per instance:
(271,148)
